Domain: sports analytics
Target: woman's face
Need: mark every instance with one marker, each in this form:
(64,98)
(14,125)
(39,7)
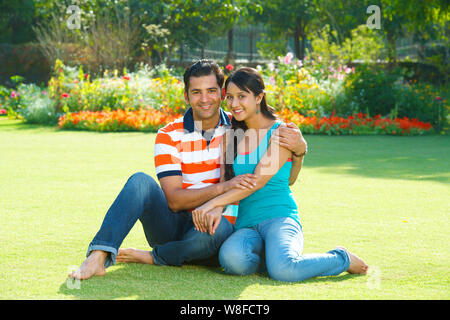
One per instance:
(242,104)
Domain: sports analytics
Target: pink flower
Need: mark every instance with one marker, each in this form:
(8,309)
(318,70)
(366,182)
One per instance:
(229,67)
(3,111)
(15,94)
(288,58)
(272,80)
(300,63)
(65,95)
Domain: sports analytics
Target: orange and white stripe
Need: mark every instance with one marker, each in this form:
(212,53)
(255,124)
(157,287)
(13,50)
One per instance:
(181,149)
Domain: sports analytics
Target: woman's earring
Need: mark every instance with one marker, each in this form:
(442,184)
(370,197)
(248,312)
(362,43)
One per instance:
(257,109)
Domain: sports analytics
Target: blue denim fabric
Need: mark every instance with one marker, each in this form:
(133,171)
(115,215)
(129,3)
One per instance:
(171,234)
(276,245)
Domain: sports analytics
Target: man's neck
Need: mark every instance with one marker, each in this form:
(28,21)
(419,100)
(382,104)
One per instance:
(208,124)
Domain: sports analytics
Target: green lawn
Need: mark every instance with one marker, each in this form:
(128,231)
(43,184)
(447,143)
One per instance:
(385,198)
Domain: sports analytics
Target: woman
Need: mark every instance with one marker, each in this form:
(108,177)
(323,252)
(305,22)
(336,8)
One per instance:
(268,226)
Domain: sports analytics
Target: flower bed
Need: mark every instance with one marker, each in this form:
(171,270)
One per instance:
(152,120)
(321,100)
(357,125)
(117,120)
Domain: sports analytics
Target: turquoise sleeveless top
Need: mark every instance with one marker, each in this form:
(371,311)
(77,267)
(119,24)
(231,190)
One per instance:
(275,199)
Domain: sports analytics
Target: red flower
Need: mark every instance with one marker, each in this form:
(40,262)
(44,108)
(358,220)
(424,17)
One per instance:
(229,67)
(65,95)
(3,111)
(126,78)
(438,98)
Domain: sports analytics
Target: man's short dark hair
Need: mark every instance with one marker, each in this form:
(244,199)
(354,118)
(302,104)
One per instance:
(203,68)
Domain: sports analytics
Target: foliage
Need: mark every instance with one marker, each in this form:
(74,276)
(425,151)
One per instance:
(371,90)
(26,60)
(156,88)
(363,45)
(300,89)
(16,18)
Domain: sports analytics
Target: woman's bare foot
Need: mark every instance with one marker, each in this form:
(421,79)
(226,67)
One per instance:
(134,255)
(357,265)
(94,265)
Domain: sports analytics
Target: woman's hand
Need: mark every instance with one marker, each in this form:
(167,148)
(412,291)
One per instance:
(243,181)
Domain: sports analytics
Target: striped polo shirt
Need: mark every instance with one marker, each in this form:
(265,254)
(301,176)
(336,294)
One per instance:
(182,149)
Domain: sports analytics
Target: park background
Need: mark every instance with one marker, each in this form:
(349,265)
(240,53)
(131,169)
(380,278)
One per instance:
(84,86)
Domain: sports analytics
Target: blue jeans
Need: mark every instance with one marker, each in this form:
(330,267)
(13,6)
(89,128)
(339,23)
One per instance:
(171,234)
(276,245)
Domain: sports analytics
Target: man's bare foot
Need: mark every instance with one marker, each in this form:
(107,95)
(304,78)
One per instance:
(94,265)
(135,255)
(357,265)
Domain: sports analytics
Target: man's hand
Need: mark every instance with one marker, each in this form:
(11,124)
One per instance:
(200,217)
(214,217)
(290,137)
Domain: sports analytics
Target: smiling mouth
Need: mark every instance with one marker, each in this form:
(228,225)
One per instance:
(238,111)
(205,107)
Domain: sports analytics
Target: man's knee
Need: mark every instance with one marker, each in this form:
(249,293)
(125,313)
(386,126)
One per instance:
(141,181)
(224,230)
(140,178)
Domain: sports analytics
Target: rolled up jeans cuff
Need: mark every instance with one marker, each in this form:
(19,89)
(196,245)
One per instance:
(345,256)
(157,260)
(110,258)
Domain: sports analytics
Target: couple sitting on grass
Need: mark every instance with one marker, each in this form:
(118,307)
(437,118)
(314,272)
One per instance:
(224,191)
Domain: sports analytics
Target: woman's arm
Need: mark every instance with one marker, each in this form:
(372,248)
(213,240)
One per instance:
(268,166)
(290,137)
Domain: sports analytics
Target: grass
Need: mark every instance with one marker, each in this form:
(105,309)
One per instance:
(385,198)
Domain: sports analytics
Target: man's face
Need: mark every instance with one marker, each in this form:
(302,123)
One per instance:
(204,96)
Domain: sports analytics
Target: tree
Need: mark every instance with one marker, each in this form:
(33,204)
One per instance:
(290,18)
(400,16)
(16,18)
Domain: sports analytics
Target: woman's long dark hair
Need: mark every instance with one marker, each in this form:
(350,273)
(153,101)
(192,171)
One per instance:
(248,80)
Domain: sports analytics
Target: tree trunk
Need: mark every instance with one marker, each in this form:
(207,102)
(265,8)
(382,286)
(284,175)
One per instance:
(230,54)
(181,52)
(302,50)
(298,53)
(391,48)
(251,46)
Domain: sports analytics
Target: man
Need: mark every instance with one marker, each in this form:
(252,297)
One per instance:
(187,156)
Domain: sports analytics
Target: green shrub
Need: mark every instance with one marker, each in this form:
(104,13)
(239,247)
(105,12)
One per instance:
(371,90)
(41,111)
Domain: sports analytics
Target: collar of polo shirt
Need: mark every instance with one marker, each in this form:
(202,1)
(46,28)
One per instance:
(189,125)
